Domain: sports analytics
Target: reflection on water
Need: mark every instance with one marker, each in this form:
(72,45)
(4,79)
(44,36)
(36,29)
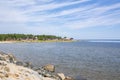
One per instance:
(90,60)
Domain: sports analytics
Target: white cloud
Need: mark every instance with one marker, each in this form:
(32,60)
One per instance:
(18,2)
(71,11)
(97,16)
(82,16)
(95,22)
(14,11)
(9,15)
(52,6)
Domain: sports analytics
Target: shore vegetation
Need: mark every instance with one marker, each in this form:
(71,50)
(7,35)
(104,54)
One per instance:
(32,38)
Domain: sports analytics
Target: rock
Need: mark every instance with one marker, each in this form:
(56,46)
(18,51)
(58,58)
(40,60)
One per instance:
(2,75)
(16,75)
(3,63)
(68,78)
(27,64)
(6,75)
(56,77)
(35,68)
(2,53)
(61,75)
(12,58)
(47,75)
(7,69)
(44,73)
(12,69)
(19,63)
(7,57)
(49,67)
(39,71)
(1,58)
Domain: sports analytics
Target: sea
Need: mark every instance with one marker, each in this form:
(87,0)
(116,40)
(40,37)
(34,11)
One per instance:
(82,60)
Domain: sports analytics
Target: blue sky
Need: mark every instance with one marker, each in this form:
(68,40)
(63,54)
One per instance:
(80,19)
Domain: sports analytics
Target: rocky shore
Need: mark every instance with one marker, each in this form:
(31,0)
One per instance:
(13,69)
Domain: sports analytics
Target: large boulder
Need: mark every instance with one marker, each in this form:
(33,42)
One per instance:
(61,75)
(49,67)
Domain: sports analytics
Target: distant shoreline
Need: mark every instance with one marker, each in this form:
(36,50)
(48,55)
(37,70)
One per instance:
(37,41)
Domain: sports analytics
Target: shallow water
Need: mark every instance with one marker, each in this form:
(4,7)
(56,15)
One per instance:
(89,60)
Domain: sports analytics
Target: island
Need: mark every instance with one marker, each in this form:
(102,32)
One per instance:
(32,38)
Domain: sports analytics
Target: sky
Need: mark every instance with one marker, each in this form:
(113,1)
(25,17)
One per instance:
(80,19)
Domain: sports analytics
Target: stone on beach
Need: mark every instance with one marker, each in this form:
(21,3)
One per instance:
(68,78)
(61,75)
(49,67)
(7,57)
(20,63)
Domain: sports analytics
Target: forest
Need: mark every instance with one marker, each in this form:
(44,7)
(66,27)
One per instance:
(19,37)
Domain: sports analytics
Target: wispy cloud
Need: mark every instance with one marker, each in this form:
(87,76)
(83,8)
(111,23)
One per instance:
(98,16)
(52,6)
(70,14)
(20,10)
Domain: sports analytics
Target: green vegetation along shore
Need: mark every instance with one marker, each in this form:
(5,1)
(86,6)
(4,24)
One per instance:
(8,38)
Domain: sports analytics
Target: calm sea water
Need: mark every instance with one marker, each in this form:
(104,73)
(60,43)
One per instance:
(89,60)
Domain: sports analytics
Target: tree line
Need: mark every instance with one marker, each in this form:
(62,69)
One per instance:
(19,37)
